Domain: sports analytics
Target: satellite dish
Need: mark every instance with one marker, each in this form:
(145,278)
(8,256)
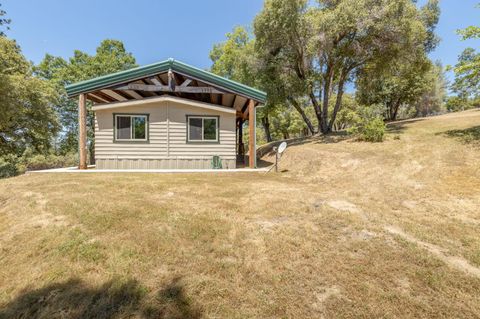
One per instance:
(278,153)
(282,147)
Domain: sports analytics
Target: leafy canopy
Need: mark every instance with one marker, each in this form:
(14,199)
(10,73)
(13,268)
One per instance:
(110,56)
(315,50)
(467,70)
(27,116)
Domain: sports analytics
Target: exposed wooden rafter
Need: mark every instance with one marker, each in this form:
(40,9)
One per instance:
(114,95)
(186,83)
(97,99)
(134,94)
(148,82)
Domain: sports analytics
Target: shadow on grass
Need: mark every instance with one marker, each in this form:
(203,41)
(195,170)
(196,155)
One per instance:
(114,299)
(400,126)
(334,137)
(261,163)
(468,136)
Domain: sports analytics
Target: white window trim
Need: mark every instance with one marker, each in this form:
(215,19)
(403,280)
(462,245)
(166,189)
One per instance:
(131,128)
(203,118)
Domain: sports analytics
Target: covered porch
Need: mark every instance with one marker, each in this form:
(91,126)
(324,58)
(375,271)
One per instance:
(178,80)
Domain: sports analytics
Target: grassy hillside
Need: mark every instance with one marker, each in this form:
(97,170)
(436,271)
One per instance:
(347,230)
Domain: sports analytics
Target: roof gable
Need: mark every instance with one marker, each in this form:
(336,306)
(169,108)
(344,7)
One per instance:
(159,67)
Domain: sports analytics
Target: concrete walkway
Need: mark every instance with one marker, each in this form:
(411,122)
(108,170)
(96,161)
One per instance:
(91,169)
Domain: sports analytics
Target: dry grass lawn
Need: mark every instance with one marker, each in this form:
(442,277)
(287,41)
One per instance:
(347,230)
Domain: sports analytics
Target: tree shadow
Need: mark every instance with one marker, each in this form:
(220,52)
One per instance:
(331,138)
(400,126)
(113,299)
(468,136)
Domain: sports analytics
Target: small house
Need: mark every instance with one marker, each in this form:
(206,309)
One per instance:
(167,115)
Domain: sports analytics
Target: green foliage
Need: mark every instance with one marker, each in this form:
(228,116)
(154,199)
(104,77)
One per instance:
(467,74)
(471,32)
(409,79)
(457,103)
(110,57)
(347,116)
(432,99)
(369,125)
(467,70)
(313,51)
(28,118)
(286,123)
(4,22)
(233,58)
(12,165)
(374,130)
(42,161)
(8,167)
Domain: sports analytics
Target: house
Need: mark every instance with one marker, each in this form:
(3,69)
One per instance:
(167,115)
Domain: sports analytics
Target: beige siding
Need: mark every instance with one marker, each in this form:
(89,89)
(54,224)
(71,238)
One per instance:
(167,146)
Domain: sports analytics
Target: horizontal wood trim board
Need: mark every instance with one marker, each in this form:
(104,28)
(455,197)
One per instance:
(158,99)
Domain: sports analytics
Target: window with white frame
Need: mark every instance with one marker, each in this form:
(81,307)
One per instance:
(202,129)
(131,127)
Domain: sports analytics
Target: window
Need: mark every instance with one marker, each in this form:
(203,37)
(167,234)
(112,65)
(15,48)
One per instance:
(131,127)
(202,129)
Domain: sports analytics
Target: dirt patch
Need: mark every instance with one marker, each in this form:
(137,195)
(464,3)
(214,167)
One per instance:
(344,206)
(456,262)
(323,294)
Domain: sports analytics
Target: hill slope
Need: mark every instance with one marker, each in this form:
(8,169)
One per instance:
(349,229)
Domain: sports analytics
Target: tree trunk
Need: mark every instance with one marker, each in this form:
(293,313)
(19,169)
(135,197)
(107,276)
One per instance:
(323,122)
(394,111)
(338,102)
(266,128)
(302,113)
(316,107)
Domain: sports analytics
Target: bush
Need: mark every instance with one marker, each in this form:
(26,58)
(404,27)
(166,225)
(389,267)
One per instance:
(11,165)
(8,167)
(374,130)
(40,161)
(455,104)
(369,125)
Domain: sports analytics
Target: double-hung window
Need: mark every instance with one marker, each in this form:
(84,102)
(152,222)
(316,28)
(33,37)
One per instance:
(202,128)
(131,127)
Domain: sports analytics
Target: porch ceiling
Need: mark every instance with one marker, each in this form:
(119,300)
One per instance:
(169,78)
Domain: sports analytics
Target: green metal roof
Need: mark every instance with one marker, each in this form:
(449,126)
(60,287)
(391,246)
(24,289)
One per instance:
(160,67)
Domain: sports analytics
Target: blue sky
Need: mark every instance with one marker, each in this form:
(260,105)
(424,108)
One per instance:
(156,30)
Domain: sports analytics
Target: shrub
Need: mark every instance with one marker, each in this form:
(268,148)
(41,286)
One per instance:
(369,125)
(455,104)
(7,167)
(40,161)
(374,130)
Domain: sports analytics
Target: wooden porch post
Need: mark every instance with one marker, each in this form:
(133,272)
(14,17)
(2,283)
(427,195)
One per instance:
(240,146)
(252,153)
(82,131)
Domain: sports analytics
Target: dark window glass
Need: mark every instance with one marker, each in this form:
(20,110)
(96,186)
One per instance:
(195,129)
(139,128)
(210,129)
(124,131)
